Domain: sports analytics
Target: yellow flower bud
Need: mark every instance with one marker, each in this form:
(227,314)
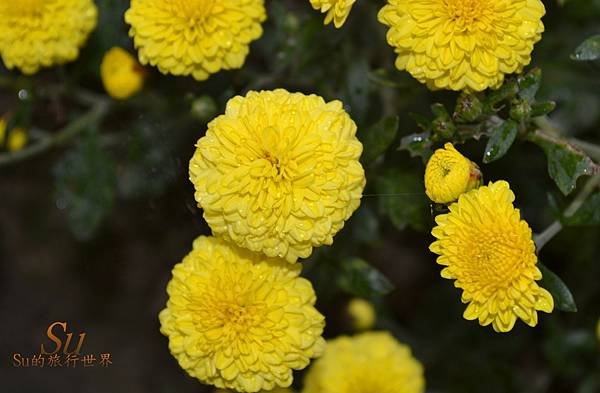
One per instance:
(2,131)
(362,314)
(121,74)
(449,174)
(17,139)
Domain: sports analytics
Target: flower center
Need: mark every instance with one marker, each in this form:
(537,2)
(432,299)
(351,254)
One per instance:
(276,151)
(466,12)
(194,11)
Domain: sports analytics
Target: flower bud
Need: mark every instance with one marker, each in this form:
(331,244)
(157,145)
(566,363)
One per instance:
(121,74)
(362,314)
(449,174)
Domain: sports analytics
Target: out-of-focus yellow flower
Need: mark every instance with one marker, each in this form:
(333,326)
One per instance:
(488,250)
(278,173)
(463,44)
(194,37)
(121,74)
(598,330)
(17,139)
(238,320)
(449,174)
(362,314)
(337,10)
(42,33)
(369,362)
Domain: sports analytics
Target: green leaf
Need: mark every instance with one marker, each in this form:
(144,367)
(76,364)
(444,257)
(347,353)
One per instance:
(501,138)
(418,145)
(542,108)
(587,214)
(359,278)
(563,299)
(565,163)
(588,50)
(529,84)
(401,197)
(85,182)
(377,138)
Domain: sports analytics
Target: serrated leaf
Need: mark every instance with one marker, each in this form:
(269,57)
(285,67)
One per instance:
(359,278)
(418,145)
(377,138)
(588,213)
(501,138)
(401,197)
(565,163)
(563,298)
(588,50)
(85,183)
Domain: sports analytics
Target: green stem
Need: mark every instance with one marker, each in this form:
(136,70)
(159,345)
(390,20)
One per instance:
(94,115)
(588,148)
(554,228)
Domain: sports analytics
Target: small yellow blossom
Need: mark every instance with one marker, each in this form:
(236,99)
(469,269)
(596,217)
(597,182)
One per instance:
(121,74)
(42,33)
(368,362)
(463,44)
(487,248)
(449,174)
(17,139)
(238,320)
(337,10)
(362,314)
(195,37)
(278,173)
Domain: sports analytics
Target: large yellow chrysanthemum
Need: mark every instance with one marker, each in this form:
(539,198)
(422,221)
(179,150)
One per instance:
(369,362)
(238,320)
(449,174)
(195,37)
(42,33)
(488,250)
(463,44)
(278,173)
(337,10)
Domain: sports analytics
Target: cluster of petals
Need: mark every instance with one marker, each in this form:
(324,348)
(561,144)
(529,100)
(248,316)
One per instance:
(463,44)
(43,33)
(238,320)
(278,173)
(368,362)
(488,250)
(195,37)
(335,11)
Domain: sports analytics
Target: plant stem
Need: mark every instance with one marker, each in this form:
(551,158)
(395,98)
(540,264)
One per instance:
(94,115)
(588,148)
(554,228)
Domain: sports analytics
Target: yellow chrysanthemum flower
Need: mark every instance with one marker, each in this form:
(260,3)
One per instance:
(369,362)
(278,173)
(238,320)
(449,174)
(42,33)
(463,44)
(195,37)
(276,390)
(121,74)
(362,313)
(488,250)
(337,10)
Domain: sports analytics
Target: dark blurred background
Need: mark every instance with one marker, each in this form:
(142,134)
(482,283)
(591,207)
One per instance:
(90,230)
